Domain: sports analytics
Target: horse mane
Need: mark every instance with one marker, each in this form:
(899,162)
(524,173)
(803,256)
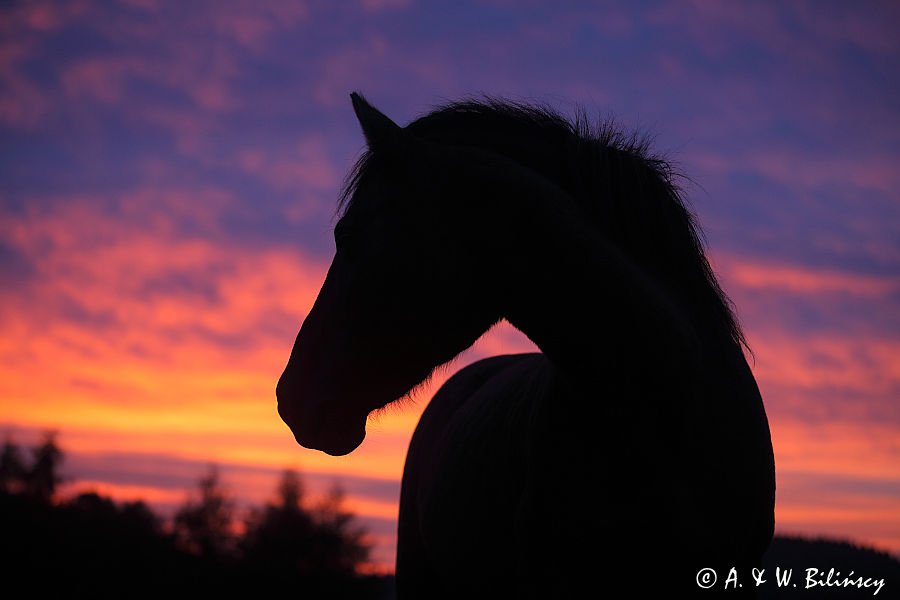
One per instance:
(623,188)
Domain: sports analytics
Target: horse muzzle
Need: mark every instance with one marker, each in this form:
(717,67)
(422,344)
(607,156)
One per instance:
(318,426)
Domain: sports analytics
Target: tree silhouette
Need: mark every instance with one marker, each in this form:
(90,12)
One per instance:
(291,490)
(205,526)
(137,516)
(289,538)
(280,536)
(43,477)
(341,544)
(12,468)
(133,518)
(91,546)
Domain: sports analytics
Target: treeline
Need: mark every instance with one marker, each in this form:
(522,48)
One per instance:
(93,547)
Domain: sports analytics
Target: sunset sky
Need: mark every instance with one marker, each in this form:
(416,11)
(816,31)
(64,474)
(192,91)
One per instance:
(169,174)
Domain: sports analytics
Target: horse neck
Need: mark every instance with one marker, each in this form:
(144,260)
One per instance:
(582,301)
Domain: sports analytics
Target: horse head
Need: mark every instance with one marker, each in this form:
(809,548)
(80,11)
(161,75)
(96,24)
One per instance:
(405,292)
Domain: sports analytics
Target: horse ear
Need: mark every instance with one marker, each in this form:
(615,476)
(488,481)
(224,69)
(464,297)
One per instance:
(381,133)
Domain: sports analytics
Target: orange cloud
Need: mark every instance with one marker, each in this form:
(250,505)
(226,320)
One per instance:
(128,493)
(142,331)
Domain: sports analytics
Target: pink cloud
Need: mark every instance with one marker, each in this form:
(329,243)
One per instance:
(22,103)
(251,24)
(874,29)
(870,172)
(105,79)
(799,280)
(305,165)
(829,362)
(712,25)
(39,15)
(799,171)
(213,95)
(805,32)
(247,24)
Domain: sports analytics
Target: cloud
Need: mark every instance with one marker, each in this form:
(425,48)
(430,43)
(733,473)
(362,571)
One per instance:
(799,172)
(758,275)
(305,165)
(250,483)
(251,24)
(823,338)
(133,290)
(841,24)
(158,65)
(23,102)
(204,80)
(382,5)
(807,32)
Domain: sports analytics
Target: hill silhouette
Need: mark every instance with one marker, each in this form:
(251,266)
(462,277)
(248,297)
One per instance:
(847,560)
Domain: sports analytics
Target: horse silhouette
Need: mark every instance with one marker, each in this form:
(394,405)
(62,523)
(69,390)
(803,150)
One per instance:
(628,454)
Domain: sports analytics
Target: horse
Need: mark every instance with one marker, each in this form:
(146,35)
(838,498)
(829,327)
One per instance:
(631,454)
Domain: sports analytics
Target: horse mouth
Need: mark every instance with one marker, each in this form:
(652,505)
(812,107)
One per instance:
(332,444)
(339,443)
(332,434)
